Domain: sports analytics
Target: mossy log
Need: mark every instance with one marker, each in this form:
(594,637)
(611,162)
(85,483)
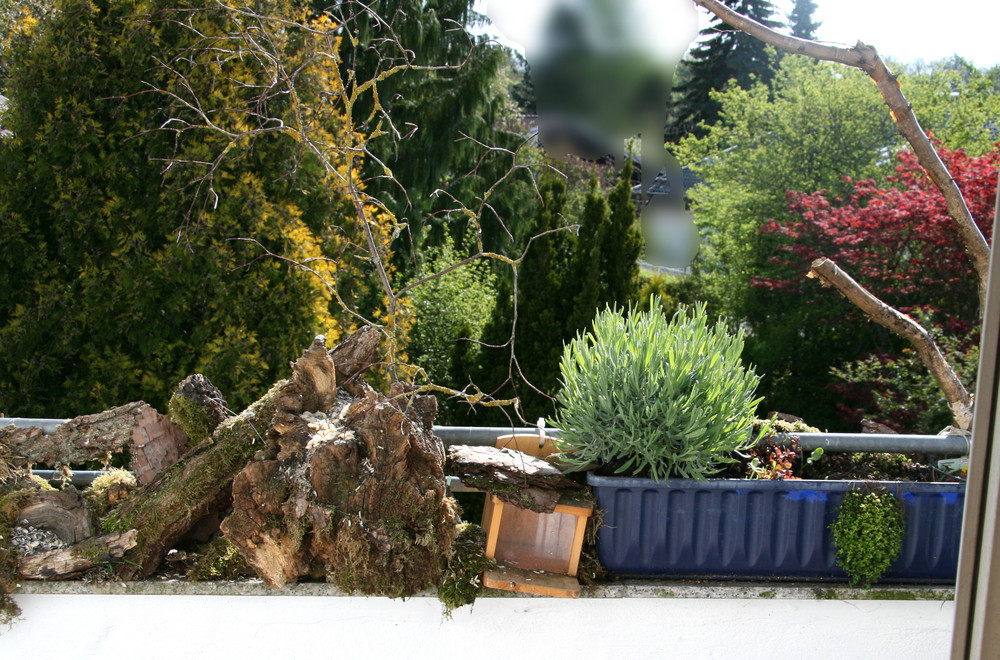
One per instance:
(198,407)
(513,476)
(152,440)
(354,494)
(166,509)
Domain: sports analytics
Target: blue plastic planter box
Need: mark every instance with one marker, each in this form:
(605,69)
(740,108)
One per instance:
(735,528)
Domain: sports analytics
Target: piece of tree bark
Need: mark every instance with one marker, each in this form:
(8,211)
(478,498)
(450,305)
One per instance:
(77,558)
(62,512)
(198,407)
(153,441)
(902,325)
(866,58)
(513,476)
(354,355)
(358,499)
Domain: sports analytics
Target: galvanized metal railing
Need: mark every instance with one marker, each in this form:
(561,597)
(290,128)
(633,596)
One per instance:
(943,445)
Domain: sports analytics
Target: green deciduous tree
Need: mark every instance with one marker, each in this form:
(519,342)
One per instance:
(450,314)
(820,124)
(959,103)
(820,127)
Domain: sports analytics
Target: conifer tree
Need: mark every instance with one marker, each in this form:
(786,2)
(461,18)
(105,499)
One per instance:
(800,20)
(432,113)
(588,286)
(724,57)
(621,245)
(113,290)
(544,309)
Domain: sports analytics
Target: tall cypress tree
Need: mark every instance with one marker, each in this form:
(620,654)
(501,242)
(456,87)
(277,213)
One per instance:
(621,245)
(801,19)
(587,286)
(725,56)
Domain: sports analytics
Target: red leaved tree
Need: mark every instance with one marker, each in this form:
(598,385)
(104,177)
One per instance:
(894,237)
(866,58)
(897,238)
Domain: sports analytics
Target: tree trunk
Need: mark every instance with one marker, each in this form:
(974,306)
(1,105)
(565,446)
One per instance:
(355,495)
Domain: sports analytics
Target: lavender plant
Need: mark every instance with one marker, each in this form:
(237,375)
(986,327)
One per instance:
(651,395)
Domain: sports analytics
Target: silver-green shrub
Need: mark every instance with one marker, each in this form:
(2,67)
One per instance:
(648,395)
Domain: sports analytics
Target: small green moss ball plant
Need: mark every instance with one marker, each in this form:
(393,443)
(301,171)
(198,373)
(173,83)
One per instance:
(868,534)
(656,396)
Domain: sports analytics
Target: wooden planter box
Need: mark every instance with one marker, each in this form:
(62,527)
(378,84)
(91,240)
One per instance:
(536,553)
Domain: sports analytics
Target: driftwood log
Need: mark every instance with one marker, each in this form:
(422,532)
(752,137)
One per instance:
(62,512)
(511,475)
(152,440)
(77,558)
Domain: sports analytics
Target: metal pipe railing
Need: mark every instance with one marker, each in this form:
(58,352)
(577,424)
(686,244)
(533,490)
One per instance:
(944,445)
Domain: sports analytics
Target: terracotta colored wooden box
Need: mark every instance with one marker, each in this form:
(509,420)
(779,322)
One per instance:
(536,553)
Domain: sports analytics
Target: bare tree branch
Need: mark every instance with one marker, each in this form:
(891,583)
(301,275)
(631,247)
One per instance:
(902,325)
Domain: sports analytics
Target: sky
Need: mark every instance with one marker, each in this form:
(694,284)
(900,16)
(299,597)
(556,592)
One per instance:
(909,30)
(902,30)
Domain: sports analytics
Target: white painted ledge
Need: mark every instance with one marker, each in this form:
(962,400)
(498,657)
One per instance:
(639,620)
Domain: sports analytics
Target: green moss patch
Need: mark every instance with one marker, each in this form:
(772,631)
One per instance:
(219,560)
(461,581)
(109,490)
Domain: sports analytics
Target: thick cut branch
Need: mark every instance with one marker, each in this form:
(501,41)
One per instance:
(77,558)
(153,441)
(866,58)
(513,476)
(958,398)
